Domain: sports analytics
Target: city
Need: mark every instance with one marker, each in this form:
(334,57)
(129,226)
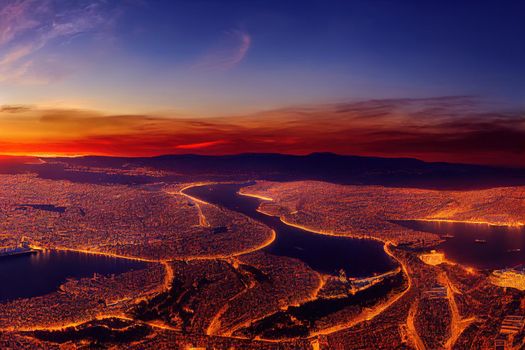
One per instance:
(277,174)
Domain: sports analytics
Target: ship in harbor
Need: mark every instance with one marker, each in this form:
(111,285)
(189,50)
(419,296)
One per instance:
(22,249)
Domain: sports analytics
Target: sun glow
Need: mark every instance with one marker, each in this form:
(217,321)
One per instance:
(44,154)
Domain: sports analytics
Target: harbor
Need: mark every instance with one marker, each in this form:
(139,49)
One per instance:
(22,249)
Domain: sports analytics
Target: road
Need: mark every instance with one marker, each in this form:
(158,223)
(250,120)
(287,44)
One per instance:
(457,324)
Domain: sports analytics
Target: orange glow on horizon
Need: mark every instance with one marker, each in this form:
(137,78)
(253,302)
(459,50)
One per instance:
(43,155)
(348,130)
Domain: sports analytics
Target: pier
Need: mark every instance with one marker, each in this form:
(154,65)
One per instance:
(22,249)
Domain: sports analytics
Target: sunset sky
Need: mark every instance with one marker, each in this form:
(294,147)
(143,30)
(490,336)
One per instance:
(436,80)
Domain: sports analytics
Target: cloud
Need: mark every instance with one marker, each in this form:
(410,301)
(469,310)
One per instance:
(27,27)
(14,108)
(201,145)
(227,53)
(15,20)
(453,129)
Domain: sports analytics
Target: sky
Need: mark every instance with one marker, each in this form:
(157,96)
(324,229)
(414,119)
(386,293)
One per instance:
(437,80)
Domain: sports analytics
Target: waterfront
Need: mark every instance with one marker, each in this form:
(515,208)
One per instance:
(41,273)
(323,253)
(481,246)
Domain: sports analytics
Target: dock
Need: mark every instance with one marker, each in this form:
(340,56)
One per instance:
(22,249)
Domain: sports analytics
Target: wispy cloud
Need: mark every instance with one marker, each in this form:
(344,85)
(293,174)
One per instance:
(29,26)
(14,20)
(227,53)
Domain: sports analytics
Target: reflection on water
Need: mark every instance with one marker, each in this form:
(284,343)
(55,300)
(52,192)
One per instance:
(42,273)
(326,254)
(479,245)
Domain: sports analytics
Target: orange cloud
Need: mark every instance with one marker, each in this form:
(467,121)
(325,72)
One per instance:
(201,144)
(451,129)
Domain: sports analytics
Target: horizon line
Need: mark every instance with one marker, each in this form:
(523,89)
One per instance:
(57,156)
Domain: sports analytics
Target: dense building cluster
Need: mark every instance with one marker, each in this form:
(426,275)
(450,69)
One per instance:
(286,282)
(117,219)
(80,300)
(369,210)
(432,321)
(208,284)
(447,305)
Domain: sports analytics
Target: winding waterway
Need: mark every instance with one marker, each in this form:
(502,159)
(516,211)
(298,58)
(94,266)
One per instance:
(41,273)
(323,253)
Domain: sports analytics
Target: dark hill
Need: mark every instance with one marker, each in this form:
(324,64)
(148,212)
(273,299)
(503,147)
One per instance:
(317,166)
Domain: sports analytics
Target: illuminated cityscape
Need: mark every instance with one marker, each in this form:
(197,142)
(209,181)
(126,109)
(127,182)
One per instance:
(279,175)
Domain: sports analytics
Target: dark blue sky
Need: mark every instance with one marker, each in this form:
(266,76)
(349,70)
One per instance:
(436,80)
(229,56)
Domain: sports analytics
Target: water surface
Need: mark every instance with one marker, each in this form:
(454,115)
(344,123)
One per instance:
(38,274)
(478,245)
(326,254)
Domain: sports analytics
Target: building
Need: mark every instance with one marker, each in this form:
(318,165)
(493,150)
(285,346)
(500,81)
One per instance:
(511,278)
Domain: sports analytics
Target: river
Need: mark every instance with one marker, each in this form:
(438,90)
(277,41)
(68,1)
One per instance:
(323,253)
